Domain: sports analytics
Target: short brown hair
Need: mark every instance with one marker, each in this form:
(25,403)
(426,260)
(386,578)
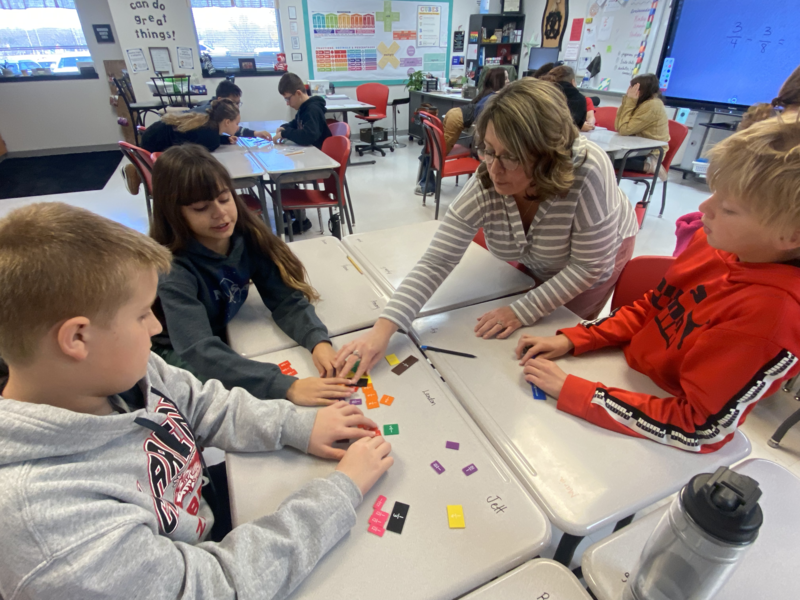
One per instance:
(760,167)
(559,73)
(532,120)
(290,83)
(58,262)
(189,173)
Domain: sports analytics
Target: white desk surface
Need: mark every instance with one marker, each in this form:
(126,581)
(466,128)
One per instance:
(537,579)
(338,105)
(278,159)
(611,142)
(389,256)
(349,300)
(768,570)
(239,164)
(428,559)
(270,126)
(583,476)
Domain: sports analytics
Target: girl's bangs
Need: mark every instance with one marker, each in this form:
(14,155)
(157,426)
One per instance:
(203,181)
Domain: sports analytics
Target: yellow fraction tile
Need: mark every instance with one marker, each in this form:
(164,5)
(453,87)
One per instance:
(392,359)
(455,516)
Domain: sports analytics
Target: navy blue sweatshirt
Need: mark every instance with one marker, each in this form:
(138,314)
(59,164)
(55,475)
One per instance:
(309,127)
(160,136)
(204,291)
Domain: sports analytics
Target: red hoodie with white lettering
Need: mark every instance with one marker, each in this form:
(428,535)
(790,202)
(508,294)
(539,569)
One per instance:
(716,333)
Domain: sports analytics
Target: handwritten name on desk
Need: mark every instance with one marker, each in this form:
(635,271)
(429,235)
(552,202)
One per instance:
(495,504)
(430,398)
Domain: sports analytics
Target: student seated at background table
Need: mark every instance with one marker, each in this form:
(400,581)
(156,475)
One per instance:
(105,492)
(722,329)
(786,104)
(545,196)
(564,77)
(462,117)
(642,114)
(213,127)
(309,126)
(230,91)
(219,247)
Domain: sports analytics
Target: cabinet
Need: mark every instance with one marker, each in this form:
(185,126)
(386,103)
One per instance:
(485,50)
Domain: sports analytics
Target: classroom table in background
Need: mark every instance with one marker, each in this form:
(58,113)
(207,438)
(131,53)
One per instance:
(503,526)
(766,571)
(244,169)
(614,144)
(441,100)
(583,476)
(389,255)
(346,105)
(349,301)
(539,579)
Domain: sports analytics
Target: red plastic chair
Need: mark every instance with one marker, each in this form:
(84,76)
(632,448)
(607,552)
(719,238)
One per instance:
(458,150)
(141,160)
(605,116)
(677,133)
(638,277)
(444,168)
(376,94)
(338,148)
(480,239)
(342,128)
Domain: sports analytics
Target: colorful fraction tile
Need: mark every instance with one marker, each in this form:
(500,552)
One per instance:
(469,470)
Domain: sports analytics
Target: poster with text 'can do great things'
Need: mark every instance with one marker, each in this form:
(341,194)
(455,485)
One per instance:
(356,41)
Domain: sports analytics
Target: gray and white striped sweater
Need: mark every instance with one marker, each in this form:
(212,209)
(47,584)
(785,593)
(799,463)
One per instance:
(571,245)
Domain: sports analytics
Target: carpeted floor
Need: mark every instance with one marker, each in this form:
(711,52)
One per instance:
(57,174)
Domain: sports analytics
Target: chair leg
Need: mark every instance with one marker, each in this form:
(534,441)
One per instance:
(663,200)
(349,201)
(425,182)
(775,440)
(283,212)
(788,386)
(438,193)
(319,216)
(456,179)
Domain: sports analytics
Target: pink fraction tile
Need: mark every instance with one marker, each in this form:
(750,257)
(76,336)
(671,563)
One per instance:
(378,520)
(379,531)
(379,502)
(379,514)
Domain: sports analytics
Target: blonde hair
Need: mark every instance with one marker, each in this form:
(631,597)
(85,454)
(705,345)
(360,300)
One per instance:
(189,173)
(788,97)
(58,262)
(219,110)
(760,167)
(532,120)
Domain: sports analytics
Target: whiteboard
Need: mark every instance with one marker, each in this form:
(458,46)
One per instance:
(625,34)
(350,42)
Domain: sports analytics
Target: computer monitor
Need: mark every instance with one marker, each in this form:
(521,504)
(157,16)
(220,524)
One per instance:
(541,56)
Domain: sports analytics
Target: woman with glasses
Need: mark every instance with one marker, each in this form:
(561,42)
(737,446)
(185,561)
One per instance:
(544,196)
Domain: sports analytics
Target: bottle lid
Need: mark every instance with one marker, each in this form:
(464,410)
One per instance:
(725,505)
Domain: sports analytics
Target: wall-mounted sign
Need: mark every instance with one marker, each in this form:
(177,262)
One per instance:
(103,34)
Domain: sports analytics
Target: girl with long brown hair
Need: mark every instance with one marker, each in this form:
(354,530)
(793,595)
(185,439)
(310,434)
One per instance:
(642,113)
(218,247)
(217,125)
(786,104)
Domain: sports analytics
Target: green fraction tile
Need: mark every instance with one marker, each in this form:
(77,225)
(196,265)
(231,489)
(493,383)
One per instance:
(391,429)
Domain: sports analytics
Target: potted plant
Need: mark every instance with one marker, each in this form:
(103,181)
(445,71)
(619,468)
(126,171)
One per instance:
(415,81)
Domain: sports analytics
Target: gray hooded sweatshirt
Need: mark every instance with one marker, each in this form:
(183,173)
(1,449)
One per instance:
(104,507)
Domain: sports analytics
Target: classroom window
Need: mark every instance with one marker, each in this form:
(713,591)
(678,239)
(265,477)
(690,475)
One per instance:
(41,37)
(228,30)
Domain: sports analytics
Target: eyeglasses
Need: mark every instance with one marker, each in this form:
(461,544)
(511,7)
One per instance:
(288,98)
(509,163)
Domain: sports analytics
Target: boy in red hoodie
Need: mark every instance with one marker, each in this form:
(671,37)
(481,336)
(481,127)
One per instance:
(722,329)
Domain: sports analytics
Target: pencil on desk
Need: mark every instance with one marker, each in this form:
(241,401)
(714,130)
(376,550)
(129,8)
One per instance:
(293,153)
(355,265)
(443,351)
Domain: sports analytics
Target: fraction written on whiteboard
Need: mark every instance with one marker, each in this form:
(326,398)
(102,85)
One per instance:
(760,40)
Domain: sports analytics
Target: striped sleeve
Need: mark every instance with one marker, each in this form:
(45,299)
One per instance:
(449,244)
(593,247)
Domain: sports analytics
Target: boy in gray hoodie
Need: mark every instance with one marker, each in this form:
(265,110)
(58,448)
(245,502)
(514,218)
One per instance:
(101,473)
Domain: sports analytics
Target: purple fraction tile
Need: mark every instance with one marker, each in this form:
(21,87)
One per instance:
(469,470)
(452,445)
(437,467)
(355,401)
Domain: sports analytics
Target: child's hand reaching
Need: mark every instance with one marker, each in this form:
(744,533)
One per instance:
(313,391)
(545,375)
(549,347)
(233,140)
(337,422)
(365,461)
(264,135)
(323,355)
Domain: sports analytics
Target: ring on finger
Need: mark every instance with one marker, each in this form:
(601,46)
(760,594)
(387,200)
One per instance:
(355,353)
(500,323)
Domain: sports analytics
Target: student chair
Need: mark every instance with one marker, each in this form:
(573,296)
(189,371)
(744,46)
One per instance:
(791,420)
(638,277)
(458,150)
(338,148)
(443,168)
(137,110)
(376,94)
(142,161)
(342,128)
(677,133)
(605,116)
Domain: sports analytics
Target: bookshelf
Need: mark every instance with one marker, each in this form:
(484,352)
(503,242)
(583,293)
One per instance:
(505,48)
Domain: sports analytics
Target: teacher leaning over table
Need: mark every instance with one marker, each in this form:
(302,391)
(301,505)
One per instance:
(545,196)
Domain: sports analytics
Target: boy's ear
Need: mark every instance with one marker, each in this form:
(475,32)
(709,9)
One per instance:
(73,336)
(789,240)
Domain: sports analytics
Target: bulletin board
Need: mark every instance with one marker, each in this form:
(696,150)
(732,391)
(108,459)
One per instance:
(351,42)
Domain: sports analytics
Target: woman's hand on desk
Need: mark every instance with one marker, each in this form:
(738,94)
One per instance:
(548,347)
(500,322)
(313,391)
(365,350)
(324,355)
(546,375)
(337,422)
(264,135)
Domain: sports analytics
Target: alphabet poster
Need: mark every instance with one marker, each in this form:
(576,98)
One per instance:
(353,41)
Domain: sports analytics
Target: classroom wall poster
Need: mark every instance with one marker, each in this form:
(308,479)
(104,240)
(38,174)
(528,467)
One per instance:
(376,40)
(137,60)
(185,57)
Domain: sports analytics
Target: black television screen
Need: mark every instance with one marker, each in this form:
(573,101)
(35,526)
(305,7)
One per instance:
(728,54)
(541,56)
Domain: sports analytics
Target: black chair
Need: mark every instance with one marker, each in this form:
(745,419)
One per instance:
(395,103)
(137,110)
(176,88)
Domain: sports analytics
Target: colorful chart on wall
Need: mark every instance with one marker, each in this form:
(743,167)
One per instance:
(354,41)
